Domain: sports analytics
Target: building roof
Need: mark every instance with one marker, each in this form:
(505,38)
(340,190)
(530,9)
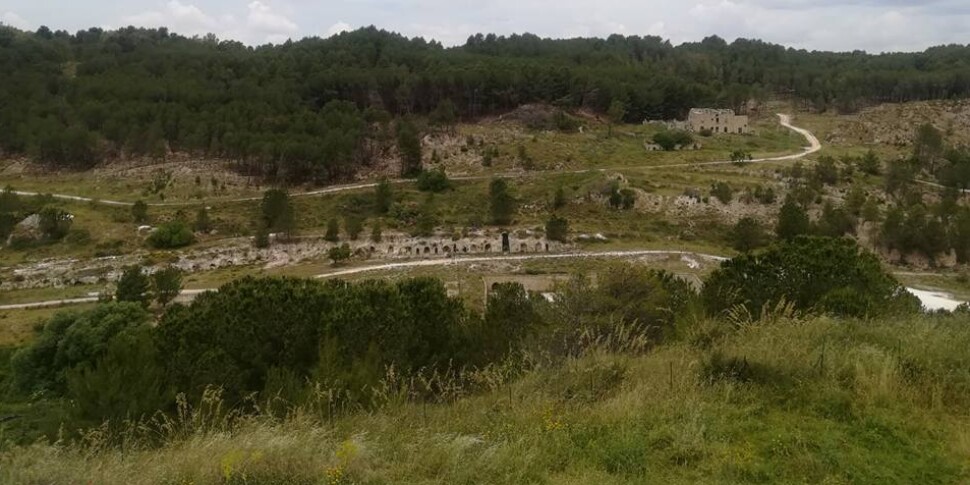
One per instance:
(713,111)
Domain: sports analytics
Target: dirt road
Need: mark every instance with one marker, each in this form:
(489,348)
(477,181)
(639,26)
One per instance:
(189,294)
(931,300)
(784,120)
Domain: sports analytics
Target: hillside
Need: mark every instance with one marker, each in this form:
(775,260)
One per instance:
(787,400)
(317,109)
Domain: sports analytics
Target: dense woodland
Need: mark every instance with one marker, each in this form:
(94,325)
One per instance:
(316,109)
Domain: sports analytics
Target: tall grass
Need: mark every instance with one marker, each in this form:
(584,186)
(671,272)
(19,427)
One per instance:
(784,400)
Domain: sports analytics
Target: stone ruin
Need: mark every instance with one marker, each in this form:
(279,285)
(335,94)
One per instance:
(241,252)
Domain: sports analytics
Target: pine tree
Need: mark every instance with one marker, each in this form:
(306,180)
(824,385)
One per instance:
(333,230)
(792,221)
(501,202)
(167,284)
(133,286)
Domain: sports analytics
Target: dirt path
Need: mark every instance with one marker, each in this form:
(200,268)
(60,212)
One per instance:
(784,120)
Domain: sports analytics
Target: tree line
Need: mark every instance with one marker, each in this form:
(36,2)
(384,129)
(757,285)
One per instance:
(318,109)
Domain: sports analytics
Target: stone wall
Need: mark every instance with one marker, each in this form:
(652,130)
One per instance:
(717,120)
(241,252)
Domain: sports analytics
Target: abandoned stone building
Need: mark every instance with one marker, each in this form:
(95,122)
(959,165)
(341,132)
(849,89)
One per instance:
(717,121)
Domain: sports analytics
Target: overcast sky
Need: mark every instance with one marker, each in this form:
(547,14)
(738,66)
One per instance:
(872,25)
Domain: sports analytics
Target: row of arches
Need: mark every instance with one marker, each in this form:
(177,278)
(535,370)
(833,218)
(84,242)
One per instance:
(435,249)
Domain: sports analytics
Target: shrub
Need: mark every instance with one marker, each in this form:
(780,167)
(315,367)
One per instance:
(811,273)
(166,284)
(126,382)
(557,229)
(139,212)
(792,221)
(133,286)
(669,140)
(171,235)
(435,181)
(333,230)
(54,223)
(339,254)
(764,195)
(501,202)
(722,192)
(354,226)
(748,235)
(70,339)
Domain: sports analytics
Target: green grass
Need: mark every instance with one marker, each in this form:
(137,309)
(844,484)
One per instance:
(595,149)
(18,326)
(790,401)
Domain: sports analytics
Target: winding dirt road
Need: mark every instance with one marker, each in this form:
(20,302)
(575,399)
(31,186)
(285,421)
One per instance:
(931,300)
(783,119)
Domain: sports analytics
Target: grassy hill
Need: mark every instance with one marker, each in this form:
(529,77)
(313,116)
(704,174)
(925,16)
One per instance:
(787,400)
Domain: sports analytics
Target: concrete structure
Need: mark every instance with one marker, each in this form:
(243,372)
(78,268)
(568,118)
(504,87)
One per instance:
(542,284)
(716,120)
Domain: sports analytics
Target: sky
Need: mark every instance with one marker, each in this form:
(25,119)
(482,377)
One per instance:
(871,25)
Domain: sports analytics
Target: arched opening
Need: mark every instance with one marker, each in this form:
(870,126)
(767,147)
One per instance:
(427,250)
(488,248)
(523,248)
(464,249)
(390,250)
(547,247)
(446,249)
(474,248)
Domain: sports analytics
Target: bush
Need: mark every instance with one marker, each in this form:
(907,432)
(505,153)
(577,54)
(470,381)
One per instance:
(70,339)
(133,286)
(171,235)
(354,226)
(435,181)
(722,192)
(502,203)
(139,212)
(792,221)
(333,230)
(765,195)
(557,229)
(166,284)
(671,139)
(748,235)
(812,274)
(126,382)
(339,254)
(54,223)
(340,334)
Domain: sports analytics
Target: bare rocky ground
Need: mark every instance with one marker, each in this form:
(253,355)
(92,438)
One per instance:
(894,124)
